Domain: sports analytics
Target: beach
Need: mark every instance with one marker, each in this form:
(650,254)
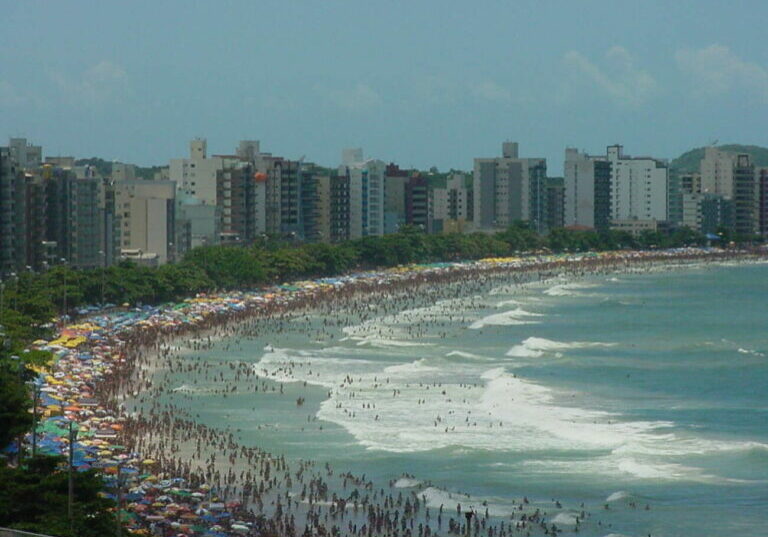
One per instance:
(188,477)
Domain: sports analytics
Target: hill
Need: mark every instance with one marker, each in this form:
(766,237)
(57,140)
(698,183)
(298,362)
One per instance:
(689,161)
(104,167)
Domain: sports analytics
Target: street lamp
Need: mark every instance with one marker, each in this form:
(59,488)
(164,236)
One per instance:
(103,269)
(64,314)
(35,400)
(119,495)
(15,279)
(2,297)
(71,483)
(20,369)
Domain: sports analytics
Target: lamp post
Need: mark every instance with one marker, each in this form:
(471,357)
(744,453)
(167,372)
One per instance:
(15,279)
(19,439)
(35,399)
(71,483)
(103,269)
(119,495)
(64,314)
(2,297)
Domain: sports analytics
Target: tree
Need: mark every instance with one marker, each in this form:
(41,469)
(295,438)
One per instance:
(34,498)
(14,402)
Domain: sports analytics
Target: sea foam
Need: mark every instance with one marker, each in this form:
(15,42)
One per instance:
(535,347)
(508,318)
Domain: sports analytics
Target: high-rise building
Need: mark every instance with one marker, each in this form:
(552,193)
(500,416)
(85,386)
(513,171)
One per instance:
(745,196)
(509,188)
(717,172)
(761,178)
(311,205)
(732,177)
(250,195)
(366,193)
(450,206)
(12,213)
(123,172)
(195,177)
(74,216)
(587,190)
(322,193)
(555,202)
(340,207)
(236,197)
(417,202)
(395,180)
(601,190)
(638,186)
(25,155)
(146,218)
(675,198)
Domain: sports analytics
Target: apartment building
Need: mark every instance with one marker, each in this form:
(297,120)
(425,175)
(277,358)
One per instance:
(509,188)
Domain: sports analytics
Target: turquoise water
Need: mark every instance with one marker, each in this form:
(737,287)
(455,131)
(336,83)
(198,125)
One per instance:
(621,390)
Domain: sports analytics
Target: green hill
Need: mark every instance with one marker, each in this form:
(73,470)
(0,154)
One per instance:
(689,161)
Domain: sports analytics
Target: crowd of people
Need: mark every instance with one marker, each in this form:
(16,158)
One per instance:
(178,476)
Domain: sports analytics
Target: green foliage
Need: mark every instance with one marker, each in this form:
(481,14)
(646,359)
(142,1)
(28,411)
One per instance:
(34,498)
(14,402)
(227,266)
(689,161)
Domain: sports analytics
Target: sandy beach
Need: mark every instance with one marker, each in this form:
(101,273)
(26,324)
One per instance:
(163,448)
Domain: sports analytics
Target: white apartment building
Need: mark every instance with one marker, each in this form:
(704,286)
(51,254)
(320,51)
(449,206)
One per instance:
(638,187)
(366,193)
(196,176)
(145,212)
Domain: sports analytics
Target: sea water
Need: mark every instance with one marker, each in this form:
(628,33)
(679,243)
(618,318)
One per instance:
(616,391)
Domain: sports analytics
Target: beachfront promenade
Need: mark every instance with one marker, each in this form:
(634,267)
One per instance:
(180,477)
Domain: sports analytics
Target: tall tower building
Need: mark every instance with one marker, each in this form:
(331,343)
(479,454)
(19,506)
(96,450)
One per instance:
(510,188)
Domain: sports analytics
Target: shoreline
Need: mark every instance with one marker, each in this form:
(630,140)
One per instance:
(148,344)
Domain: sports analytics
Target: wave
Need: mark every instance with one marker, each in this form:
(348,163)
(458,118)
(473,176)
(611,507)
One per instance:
(469,356)
(616,496)
(419,406)
(410,368)
(564,519)
(516,316)
(568,289)
(185,388)
(385,342)
(407,483)
(535,347)
(435,498)
(742,350)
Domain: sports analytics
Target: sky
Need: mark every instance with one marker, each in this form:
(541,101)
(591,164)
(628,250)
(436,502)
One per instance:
(418,83)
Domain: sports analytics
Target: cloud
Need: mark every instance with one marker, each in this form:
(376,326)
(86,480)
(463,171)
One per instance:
(715,70)
(102,83)
(434,89)
(9,95)
(358,97)
(620,79)
(490,91)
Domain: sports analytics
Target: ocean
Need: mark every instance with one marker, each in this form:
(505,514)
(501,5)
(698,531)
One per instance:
(641,396)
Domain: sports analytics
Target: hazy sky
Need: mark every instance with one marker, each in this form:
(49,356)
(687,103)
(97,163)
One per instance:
(419,83)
